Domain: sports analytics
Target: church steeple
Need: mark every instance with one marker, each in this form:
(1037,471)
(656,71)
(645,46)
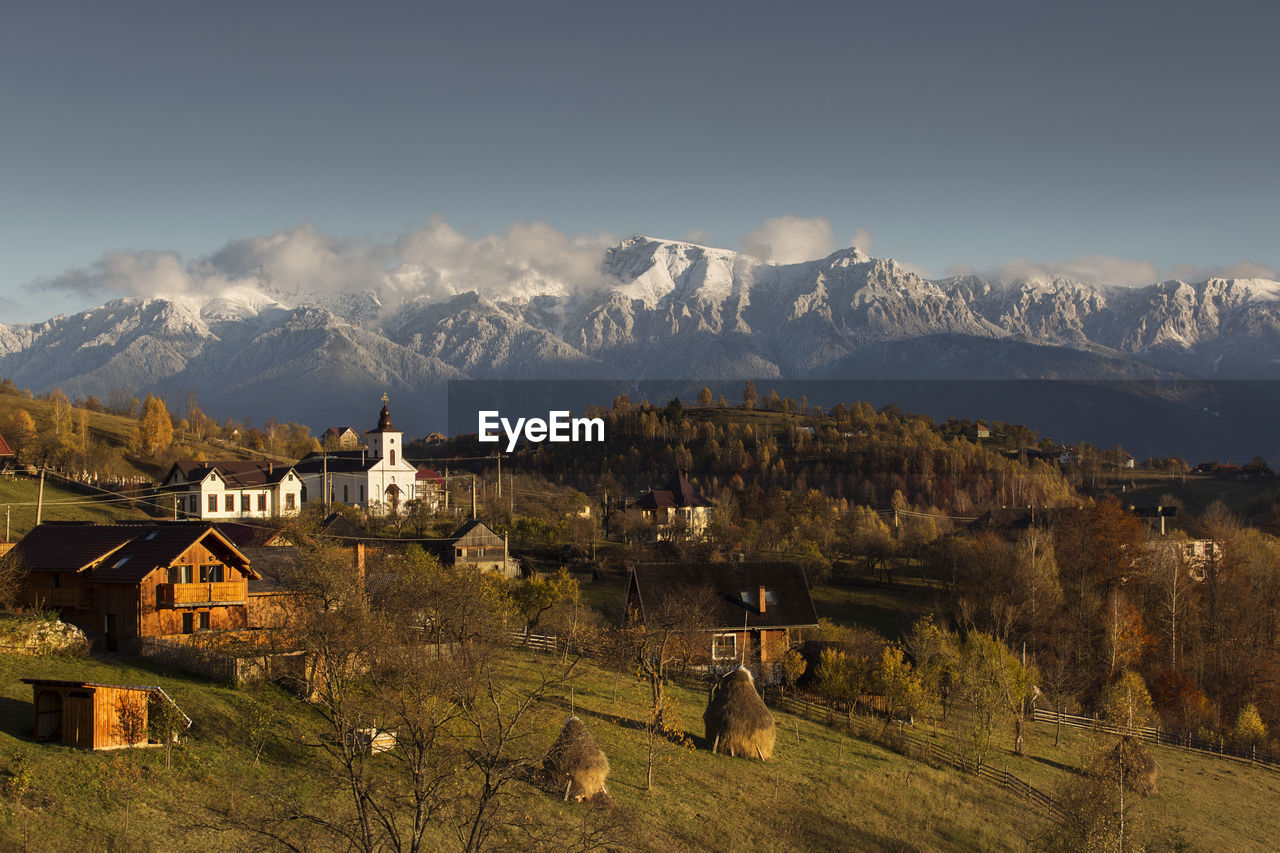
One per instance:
(384,419)
(384,439)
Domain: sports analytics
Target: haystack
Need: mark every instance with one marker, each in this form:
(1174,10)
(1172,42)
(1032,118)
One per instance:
(575,763)
(1139,767)
(736,718)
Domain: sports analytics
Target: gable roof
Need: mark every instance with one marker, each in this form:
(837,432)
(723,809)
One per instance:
(118,553)
(337,432)
(5,449)
(791,607)
(237,474)
(678,492)
(340,462)
(473,526)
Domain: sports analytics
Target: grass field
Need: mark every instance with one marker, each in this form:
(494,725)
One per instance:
(1219,804)
(818,793)
(18,497)
(1194,492)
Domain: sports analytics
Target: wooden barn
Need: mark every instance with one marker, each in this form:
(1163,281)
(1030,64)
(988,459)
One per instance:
(122,582)
(87,715)
(749,613)
(476,545)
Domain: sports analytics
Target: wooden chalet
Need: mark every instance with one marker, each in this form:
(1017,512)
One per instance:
(476,545)
(122,582)
(752,612)
(87,715)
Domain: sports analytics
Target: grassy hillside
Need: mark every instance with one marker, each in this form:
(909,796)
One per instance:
(819,793)
(18,495)
(117,432)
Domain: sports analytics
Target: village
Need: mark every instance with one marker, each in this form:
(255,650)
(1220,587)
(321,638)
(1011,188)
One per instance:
(757,598)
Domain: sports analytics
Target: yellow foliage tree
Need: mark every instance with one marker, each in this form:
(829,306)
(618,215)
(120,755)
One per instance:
(155,429)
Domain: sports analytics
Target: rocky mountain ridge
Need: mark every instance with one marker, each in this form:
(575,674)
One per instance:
(664,310)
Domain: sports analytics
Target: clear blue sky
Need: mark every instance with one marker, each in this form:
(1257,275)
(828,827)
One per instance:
(954,133)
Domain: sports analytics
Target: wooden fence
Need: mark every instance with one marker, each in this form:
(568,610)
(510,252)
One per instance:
(1162,737)
(916,745)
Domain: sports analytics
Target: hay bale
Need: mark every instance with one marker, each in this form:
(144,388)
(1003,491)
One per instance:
(1140,769)
(737,720)
(575,764)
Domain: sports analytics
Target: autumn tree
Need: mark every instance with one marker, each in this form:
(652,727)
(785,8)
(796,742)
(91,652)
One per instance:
(1126,702)
(998,690)
(155,429)
(538,594)
(22,433)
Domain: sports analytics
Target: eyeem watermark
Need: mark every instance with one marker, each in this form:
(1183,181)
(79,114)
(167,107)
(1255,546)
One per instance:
(558,427)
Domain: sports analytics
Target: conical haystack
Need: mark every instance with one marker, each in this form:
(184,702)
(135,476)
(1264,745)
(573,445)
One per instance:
(575,763)
(1132,756)
(737,720)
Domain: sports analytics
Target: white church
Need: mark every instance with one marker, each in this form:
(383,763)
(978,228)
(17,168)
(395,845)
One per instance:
(377,478)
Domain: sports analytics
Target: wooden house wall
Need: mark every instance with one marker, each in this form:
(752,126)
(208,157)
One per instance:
(108,704)
(77,718)
(154,621)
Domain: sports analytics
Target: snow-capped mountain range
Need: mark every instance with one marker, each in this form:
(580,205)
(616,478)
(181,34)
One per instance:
(664,310)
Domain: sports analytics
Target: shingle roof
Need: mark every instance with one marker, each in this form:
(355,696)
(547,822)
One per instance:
(791,605)
(5,450)
(237,474)
(117,553)
(340,461)
(678,492)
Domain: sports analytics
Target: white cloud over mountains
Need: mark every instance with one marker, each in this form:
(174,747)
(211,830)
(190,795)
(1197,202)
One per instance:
(440,260)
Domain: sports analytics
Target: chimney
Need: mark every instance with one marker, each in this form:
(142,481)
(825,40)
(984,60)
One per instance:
(762,599)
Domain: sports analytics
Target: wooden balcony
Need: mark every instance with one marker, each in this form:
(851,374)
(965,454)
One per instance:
(201,594)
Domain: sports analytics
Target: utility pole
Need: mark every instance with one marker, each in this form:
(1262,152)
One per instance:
(473,497)
(40,497)
(512,492)
(6,523)
(446,488)
(324,480)
(499,476)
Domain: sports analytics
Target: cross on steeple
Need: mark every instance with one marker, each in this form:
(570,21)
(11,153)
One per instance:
(384,398)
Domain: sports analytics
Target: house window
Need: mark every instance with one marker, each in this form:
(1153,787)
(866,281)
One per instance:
(204,620)
(244,503)
(211,573)
(724,647)
(213,503)
(179,574)
(290,501)
(230,503)
(188,623)
(262,503)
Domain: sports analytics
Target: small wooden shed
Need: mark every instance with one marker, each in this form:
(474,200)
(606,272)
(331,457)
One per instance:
(88,715)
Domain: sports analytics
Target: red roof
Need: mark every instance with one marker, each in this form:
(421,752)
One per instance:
(429,474)
(5,450)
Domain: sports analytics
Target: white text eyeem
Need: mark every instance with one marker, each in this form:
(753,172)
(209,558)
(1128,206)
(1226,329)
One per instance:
(558,427)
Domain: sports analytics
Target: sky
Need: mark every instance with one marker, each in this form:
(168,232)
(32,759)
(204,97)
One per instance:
(1115,141)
